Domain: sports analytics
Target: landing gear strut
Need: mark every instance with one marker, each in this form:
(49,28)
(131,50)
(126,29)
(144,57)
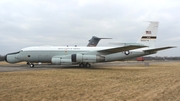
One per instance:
(88,65)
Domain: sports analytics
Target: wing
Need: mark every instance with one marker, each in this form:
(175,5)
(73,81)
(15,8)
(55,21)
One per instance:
(120,49)
(158,49)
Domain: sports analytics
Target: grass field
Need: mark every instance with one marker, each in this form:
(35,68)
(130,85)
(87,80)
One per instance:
(159,82)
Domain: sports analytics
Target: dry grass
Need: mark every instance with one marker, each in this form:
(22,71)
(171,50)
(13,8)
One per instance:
(4,64)
(155,83)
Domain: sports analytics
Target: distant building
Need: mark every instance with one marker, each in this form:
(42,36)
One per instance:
(140,58)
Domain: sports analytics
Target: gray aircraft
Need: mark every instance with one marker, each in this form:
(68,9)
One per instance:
(94,41)
(84,56)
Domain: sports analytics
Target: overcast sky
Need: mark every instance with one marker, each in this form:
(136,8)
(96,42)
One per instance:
(25,23)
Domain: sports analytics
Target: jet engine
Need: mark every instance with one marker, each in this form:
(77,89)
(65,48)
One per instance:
(76,58)
(86,58)
(60,61)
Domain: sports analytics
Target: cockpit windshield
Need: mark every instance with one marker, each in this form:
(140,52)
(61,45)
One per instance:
(13,53)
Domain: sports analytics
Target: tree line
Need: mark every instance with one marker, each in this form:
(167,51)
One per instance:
(1,58)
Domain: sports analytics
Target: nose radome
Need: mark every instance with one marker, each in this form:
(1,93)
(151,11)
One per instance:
(12,57)
(18,56)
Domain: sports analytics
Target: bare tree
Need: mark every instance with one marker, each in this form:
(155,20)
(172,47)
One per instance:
(1,58)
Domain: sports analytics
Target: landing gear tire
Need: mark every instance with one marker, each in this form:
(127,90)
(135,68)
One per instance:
(32,65)
(88,65)
(81,65)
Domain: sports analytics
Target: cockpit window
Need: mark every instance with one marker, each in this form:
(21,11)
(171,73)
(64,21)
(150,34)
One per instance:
(13,53)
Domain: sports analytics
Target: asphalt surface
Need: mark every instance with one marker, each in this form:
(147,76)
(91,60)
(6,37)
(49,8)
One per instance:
(4,67)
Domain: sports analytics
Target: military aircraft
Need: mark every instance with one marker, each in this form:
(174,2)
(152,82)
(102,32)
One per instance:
(94,41)
(84,56)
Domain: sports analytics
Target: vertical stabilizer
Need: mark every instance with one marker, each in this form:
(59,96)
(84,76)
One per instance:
(94,41)
(150,35)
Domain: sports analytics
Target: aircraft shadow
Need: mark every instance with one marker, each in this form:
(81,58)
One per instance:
(93,67)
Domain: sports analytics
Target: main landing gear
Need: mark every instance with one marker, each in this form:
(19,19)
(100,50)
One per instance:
(88,65)
(30,64)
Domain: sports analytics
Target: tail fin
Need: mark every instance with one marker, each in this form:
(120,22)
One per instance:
(94,41)
(150,35)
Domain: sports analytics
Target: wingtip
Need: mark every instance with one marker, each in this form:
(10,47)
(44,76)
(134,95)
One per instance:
(173,46)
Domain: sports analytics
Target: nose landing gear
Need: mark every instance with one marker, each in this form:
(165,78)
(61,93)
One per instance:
(30,64)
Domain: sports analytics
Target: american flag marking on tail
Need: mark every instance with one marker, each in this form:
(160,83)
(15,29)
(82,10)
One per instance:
(148,32)
(148,37)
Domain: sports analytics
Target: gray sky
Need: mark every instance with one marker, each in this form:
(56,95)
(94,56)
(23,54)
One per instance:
(25,23)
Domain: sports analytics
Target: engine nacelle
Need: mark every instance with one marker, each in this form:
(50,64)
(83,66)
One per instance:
(76,58)
(86,58)
(60,61)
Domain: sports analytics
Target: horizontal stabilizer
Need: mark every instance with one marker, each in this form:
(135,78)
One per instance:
(158,49)
(120,49)
(100,38)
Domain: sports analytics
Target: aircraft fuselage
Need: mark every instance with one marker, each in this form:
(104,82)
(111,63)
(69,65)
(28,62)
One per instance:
(46,54)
